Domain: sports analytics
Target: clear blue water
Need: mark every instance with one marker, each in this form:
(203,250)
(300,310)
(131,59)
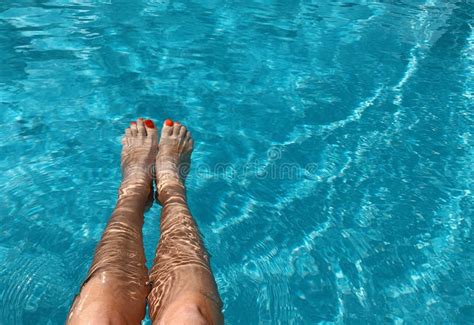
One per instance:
(333,173)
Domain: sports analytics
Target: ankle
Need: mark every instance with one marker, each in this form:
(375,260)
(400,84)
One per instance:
(171,190)
(139,188)
(138,173)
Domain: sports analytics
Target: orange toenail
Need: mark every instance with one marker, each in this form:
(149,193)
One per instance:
(149,124)
(168,122)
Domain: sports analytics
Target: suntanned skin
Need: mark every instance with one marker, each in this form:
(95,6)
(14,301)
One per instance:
(180,288)
(183,288)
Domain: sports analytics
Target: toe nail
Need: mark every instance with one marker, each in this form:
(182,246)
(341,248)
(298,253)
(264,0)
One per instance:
(169,122)
(149,124)
(133,123)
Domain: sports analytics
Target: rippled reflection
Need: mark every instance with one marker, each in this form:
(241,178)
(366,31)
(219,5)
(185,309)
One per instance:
(345,130)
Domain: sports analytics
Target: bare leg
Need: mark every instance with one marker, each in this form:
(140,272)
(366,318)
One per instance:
(115,289)
(183,287)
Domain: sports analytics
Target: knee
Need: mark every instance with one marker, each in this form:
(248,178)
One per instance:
(187,313)
(97,313)
(105,303)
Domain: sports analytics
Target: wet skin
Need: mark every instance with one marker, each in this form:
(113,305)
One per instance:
(180,288)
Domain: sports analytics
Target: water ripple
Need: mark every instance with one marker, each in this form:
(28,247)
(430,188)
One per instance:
(332,173)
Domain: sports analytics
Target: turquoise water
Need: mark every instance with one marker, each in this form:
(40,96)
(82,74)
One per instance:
(332,177)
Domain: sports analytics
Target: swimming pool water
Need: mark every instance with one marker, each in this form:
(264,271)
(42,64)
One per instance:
(332,176)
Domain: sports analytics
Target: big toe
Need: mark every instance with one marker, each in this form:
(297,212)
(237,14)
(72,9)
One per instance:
(167,129)
(151,130)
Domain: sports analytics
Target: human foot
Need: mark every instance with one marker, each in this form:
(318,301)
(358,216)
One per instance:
(173,160)
(140,145)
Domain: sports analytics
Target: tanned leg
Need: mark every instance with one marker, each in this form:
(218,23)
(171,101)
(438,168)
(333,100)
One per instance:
(116,287)
(183,287)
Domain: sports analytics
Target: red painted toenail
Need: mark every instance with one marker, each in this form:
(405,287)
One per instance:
(168,122)
(149,124)
(133,123)
(176,122)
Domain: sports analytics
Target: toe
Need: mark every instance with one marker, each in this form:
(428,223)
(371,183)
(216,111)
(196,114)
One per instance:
(167,129)
(126,136)
(141,131)
(133,128)
(191,144)
(150,129)
(188,142)
(182,131)
(187,136)
(177,128)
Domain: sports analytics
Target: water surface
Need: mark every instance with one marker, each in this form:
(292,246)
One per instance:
(333,171)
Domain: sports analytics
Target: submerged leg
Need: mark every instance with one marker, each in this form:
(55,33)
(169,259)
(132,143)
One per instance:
(116,288)
(183,287)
